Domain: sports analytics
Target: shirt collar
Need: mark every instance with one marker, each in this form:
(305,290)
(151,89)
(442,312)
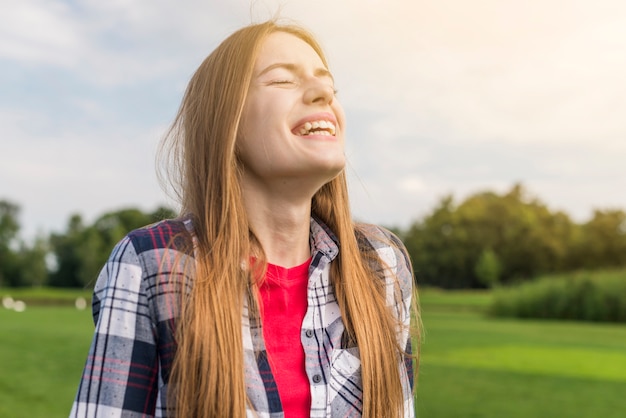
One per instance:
(323,239)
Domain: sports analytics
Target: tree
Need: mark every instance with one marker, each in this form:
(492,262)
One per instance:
(9,227)
(488,268)
(84,249)
(525,237)
(434,246)
(31,260)
(65,248)
(601,241)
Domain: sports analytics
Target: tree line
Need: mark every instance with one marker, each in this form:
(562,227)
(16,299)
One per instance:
(484,240)
(69,259)
(491,238)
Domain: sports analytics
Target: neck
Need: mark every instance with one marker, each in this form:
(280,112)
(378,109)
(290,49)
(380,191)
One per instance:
(281,222)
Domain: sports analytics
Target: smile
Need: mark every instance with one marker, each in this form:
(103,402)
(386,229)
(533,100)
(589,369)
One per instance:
(317,127)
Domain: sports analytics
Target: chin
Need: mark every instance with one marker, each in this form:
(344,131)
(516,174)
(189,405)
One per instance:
(333,170)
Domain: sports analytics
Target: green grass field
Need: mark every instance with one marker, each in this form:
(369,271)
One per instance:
(472,366)
(42,352)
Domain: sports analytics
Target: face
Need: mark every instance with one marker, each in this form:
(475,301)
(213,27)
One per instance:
(292,126)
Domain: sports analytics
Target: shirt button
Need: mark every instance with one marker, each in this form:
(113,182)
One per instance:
(309,333)
(317,378)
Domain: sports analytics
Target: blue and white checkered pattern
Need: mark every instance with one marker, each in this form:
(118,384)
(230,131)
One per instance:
(132,349)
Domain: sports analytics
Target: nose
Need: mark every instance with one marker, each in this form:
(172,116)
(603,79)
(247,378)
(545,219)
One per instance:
(319,92)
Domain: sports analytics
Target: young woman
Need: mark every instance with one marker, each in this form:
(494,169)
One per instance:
(264,299)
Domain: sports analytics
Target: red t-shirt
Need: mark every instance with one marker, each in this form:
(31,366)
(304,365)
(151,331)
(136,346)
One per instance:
(283,306)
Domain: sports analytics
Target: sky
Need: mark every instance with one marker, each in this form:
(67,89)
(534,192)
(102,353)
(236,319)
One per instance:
(441,96)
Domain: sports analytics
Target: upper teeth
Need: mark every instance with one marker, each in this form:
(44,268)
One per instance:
(323,127)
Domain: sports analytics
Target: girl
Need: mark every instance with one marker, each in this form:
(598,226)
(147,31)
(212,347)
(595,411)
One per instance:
(264,298)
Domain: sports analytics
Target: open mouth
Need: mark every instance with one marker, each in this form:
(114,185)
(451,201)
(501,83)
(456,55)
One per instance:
(317,127)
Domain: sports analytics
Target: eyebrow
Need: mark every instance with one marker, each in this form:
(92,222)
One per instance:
(319,72)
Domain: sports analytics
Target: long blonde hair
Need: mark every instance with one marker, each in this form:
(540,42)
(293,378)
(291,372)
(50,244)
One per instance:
(207,378)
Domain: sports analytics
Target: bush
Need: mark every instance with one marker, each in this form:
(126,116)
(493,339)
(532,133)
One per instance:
(584,296)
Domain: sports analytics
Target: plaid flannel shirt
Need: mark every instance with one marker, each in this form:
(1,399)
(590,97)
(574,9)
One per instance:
(131,353)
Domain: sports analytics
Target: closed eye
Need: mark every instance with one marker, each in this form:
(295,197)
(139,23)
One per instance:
(275,82)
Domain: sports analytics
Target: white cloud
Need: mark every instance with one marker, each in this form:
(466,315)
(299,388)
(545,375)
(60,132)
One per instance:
(411,184)
(112,42)
(40,32)
(84,171)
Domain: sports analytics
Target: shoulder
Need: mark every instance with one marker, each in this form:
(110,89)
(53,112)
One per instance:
(378,234)
(144,248)
(171,234)
(142,257)
(388,246)
(390,251)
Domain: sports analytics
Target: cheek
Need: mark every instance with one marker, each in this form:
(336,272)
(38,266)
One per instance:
(247,138)
(244,140)
(246,155)
(247,127)
(252,149)
(340,115)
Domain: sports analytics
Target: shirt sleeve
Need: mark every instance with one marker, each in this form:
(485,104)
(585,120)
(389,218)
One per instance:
(120,378)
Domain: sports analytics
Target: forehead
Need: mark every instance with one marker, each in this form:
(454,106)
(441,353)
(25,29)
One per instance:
(286,48)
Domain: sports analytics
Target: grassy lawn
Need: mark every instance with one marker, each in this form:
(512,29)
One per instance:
(472,366)
(46,296)
(42,353)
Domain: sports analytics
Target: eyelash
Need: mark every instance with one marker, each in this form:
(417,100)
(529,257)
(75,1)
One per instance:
(278,82)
